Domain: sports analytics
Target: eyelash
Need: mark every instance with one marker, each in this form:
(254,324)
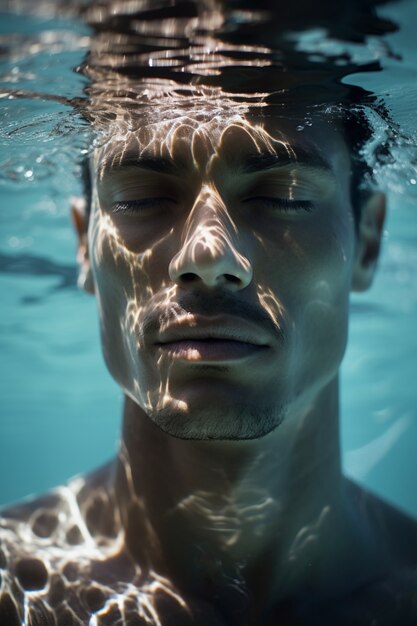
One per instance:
(282,204)
(136,206)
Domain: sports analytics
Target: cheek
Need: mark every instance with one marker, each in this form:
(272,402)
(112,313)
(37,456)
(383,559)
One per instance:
(123,275)
(122,289)
(309,261)
(128,284)
(328,266)
(140,236)
(308,268)
(322,319)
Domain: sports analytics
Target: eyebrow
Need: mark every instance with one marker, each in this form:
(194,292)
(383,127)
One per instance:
(260,161)
(251,163)
(161,165)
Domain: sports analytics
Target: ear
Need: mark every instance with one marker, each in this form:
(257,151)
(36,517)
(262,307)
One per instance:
(368,243)
(80,222)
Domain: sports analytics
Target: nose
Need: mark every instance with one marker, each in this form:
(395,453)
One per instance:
(209,255)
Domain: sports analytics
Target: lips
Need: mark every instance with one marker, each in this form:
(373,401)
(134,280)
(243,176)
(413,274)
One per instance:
(212,339)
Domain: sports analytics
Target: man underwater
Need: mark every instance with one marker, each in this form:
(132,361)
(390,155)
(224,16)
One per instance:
(222,245)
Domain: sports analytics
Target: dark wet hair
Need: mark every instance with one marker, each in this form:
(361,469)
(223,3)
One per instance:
(357,132)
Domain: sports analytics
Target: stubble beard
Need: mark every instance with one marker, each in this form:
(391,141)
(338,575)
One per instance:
(240,422)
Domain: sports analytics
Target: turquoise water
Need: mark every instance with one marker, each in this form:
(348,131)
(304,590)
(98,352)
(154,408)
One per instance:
(60,410)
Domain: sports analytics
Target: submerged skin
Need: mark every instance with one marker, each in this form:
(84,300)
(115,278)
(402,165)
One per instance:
(222,275)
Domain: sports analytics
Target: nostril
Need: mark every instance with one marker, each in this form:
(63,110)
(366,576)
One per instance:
(188,277)
(231,278)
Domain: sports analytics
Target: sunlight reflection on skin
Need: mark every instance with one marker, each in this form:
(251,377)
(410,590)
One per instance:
(210,230)
(201,131)
(305,547)
(208,235)
(80,561)
(226,517)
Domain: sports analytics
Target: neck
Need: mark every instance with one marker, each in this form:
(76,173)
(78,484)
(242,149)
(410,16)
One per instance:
(232,514)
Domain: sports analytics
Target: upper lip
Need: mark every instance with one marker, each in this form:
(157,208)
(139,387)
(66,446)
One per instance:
(219,327)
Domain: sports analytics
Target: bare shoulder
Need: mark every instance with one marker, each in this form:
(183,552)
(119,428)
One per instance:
(66,516)
(390,599)
(63,562)
(396,530)
(48,547)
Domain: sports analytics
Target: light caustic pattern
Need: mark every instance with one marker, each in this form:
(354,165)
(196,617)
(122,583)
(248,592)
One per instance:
(208,234)
(65,559)
(63,562)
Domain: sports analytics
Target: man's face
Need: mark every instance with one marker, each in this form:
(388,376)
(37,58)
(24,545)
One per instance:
(222,254)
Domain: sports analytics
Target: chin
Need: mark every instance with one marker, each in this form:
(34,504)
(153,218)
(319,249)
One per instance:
(236,423)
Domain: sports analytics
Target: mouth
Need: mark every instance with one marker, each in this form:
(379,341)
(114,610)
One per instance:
(210,340)
(210,349)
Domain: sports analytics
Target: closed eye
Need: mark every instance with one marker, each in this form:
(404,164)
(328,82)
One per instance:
(280,204)
(143,206)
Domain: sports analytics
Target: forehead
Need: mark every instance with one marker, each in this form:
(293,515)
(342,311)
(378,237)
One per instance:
(195,138)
